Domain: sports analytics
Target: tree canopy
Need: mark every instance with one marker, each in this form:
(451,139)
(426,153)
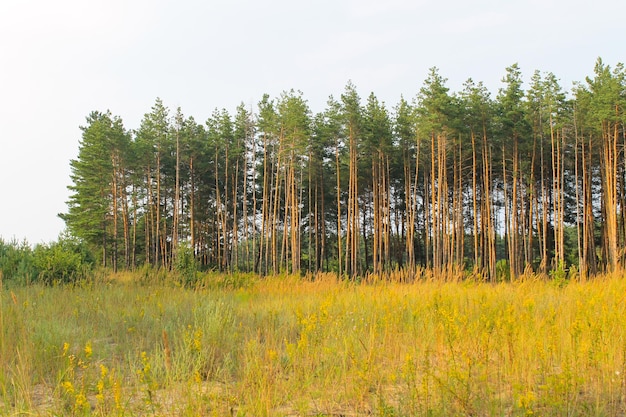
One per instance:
(532,179)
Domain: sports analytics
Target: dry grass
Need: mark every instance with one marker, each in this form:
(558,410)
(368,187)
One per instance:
(291,347)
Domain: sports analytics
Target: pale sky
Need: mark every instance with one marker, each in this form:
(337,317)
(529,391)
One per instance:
(60,60)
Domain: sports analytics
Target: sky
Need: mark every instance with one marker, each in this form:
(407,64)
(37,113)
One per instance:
(61,60)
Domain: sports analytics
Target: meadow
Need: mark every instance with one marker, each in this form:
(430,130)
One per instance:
(123,345)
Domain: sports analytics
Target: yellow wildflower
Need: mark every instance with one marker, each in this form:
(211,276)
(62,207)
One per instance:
(88,350)
(68,387)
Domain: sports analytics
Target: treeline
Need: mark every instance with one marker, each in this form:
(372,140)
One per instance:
(531,180)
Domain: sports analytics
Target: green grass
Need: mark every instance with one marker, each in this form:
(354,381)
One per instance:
(290,347)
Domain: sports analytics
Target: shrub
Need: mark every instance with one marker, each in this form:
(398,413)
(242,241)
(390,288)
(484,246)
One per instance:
(185,265)
(16,261)
(64,261)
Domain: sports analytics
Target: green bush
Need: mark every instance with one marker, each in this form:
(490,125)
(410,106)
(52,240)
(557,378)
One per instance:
(16,262)
(503,270)
(559,274)
(185,265)
(64,261)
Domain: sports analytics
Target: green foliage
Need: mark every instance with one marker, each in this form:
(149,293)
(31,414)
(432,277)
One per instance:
(503,270)
(185,265)
(435,108)
(16,261)
(559,274)
(357,186)
(67,260)
(62,262)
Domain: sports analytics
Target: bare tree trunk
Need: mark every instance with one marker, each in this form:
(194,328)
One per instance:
(609,176)
(487,211)
(177,205)
(352,231)
(478,253)
(115,210)
(157,236)
(339,227)
(192,206)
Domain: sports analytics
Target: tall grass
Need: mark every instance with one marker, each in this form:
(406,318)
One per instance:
(293,347)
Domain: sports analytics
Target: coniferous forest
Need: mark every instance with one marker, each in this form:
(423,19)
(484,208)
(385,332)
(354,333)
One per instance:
(533,179)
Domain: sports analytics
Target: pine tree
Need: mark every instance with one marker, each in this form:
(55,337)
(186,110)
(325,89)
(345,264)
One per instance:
(436,120)
(97,176)
(513,132)
(607,100)
(352,124)
(152,142)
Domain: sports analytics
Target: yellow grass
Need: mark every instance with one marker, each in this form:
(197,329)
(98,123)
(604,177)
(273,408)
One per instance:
(290,347)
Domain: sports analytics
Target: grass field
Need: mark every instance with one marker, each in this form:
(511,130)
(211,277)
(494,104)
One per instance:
(291,347)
